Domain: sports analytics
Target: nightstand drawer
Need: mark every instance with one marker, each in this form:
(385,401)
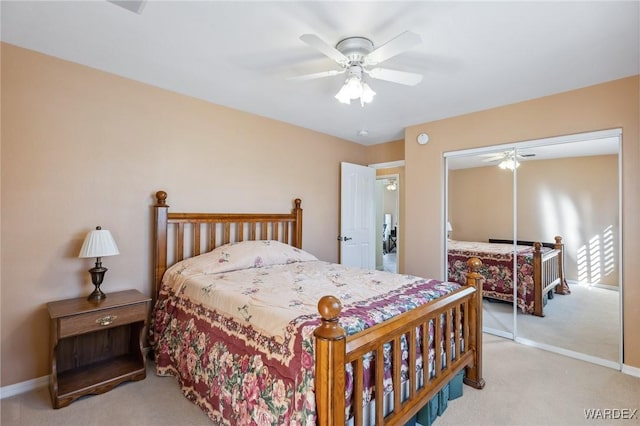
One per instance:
(106,318)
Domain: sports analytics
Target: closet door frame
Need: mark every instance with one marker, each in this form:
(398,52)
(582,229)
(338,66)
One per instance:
(587,136)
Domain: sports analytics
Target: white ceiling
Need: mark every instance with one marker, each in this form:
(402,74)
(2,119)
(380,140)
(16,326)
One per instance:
(474,55)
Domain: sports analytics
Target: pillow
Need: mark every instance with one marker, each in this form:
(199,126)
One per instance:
(249,254)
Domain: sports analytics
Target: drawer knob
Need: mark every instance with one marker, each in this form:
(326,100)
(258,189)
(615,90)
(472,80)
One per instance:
(106,320)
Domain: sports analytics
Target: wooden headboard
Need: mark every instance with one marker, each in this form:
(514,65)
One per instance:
(179,236)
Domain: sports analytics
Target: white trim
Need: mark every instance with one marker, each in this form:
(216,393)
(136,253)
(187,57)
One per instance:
(571,354)
(22,387)
(499,333)
(578,137)
(388,164)
(632,371)
(602,286)
(620,260)
(445,219)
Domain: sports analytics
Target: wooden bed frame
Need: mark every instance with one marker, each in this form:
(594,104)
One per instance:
(178,236)
(548,270)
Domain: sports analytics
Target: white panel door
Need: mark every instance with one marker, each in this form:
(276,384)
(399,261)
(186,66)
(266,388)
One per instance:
(357,216)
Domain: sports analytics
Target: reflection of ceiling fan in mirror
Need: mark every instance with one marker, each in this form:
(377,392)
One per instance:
(508,159)
(356,56)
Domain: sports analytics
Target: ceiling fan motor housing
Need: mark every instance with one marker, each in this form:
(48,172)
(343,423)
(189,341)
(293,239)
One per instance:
(355,49)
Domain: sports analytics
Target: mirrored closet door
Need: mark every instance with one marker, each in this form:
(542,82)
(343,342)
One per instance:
(571,190)
(480,190)
(563,193)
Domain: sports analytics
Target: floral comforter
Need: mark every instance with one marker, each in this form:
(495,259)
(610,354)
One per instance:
(497,269)
(235,326)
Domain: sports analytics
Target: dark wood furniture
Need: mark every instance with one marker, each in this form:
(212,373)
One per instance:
(96,345)
(178,236)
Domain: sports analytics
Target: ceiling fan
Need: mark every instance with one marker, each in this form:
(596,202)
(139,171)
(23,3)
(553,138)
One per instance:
(357,57)
(506,155)
(508,159)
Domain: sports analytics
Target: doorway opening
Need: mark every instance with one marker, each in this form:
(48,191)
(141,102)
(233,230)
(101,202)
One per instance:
(388,221)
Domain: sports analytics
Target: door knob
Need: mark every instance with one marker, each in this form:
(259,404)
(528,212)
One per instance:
(344,238)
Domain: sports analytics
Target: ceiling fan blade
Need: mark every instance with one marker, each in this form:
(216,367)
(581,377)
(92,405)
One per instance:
(494,158)
(393,47)
(395,76)
(320,45)
(313,76)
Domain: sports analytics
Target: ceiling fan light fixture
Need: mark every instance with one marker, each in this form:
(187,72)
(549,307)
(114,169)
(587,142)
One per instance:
(343,95)
(353,88)
(509,163)
(367,94)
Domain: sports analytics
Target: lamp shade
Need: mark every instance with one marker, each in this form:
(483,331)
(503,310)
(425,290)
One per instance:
(99,243)
(449,228)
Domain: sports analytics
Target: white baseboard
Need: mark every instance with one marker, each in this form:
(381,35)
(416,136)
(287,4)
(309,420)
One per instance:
(22,387)
(33,384)
(604,286)
(632,371)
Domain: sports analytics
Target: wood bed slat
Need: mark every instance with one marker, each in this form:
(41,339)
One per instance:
(180,242)
(358,389)
(447,338)
(425,353)
(212,236)
(458,325)
(437,346)
(465,327)
(396,361)
(227,233)
(412,363)
(196,239)
(379,389)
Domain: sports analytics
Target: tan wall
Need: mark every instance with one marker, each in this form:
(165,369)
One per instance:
(576,198)
(605,106)
(487,186)
(384,152)
(82,148)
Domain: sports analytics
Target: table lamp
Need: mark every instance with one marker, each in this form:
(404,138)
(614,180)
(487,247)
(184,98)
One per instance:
(98,243)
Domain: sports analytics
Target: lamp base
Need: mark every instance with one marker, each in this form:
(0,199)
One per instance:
(97,275)
(97,295)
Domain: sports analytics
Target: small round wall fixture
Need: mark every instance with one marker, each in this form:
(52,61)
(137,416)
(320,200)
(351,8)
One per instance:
(423,138)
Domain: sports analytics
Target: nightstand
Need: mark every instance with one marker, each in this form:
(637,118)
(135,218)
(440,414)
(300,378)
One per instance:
(96,346)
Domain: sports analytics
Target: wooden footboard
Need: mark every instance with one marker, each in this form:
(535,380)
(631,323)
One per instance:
(462,313)
(548,273)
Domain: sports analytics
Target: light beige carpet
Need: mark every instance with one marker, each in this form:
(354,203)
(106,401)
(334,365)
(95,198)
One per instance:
(525,386)
(585,321)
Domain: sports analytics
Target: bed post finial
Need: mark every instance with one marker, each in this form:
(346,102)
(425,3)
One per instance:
(537,247)
(161,198)
(330,355)
(474,278)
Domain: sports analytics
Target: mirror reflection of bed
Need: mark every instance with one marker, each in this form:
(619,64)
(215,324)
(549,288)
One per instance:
(576,197)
